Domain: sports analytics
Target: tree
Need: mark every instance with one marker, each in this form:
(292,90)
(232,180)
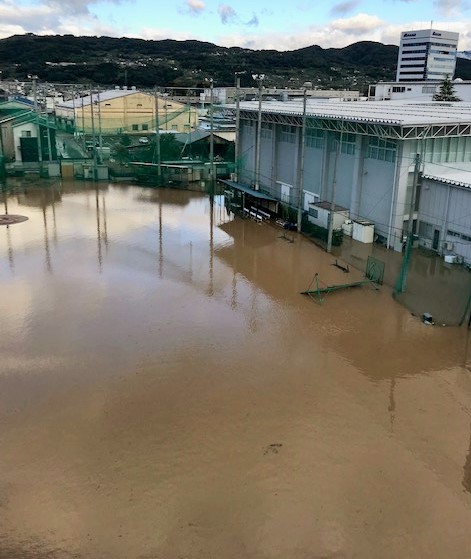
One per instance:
(447,91)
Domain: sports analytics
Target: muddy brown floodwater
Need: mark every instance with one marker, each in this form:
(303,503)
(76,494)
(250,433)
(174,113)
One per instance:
(166,392)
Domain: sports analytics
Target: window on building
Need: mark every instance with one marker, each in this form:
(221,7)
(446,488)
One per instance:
(135,127)
(139,105)
(145,127)
(383,150)
(288,134)
(186,127)
(315,138)
(348,144)
(26,133)
(425,230)
(107,104)
(398,89)
(314,212)
(174,126)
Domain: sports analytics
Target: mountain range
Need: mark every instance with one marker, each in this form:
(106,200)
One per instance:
(111,61)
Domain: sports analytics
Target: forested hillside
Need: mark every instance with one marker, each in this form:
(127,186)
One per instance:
(111,61)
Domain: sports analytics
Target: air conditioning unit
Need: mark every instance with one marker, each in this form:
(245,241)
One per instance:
(448,245)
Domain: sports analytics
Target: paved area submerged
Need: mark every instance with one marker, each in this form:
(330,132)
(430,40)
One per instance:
(166,392)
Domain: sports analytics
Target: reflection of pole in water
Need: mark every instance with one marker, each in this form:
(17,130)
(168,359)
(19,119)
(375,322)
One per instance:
(8,234)
(46,241)
(467,470)
(191,261)
(253,313)
(161,243)
(392,402)
(54,224)
(234,289)
(98,230)
(105,228)
(211,246)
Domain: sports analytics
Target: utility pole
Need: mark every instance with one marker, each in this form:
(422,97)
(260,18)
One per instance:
(236,150)
(38,124)
(100,139)
(402,280)
(93,131)
(301,164)
(157,138)
(332,199)
(259,79)
(211,135)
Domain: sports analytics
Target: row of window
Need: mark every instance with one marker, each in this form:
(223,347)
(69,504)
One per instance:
(459,235)
(383,150)
(429,43)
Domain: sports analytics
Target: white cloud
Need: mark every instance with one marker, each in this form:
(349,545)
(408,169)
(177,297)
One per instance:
(195,6)
(227,14)
(340,33)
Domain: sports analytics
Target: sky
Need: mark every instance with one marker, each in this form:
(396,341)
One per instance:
(263,24)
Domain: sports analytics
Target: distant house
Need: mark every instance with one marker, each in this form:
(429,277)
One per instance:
(24,135)
(129,111)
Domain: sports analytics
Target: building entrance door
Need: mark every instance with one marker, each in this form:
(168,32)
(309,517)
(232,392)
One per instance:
(436,239)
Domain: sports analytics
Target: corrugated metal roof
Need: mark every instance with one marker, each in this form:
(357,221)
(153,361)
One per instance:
(103,96)
(458,174)
(381,112)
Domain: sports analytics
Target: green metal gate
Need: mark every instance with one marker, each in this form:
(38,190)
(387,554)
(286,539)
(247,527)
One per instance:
(375,270)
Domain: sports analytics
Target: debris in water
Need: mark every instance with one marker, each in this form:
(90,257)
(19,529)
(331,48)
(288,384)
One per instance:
(427,318)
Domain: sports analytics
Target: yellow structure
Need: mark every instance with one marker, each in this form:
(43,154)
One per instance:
(128,111)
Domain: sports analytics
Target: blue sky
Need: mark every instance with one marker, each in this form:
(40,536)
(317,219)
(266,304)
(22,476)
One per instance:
(264,24)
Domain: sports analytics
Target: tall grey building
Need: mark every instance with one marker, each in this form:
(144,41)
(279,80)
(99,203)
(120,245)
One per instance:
(427,54)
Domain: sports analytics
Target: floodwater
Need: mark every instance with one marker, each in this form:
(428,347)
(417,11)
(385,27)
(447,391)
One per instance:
(166,392)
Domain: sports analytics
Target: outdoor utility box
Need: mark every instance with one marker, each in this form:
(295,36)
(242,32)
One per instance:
(319,214)
(363,231)
(102,172)
(347,227)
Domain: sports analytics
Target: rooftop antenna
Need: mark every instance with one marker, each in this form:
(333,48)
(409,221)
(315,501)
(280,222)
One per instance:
(431,24)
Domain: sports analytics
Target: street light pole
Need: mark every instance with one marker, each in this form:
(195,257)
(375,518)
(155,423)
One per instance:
(259,79)
(330,231)
(301,164)
(38,124)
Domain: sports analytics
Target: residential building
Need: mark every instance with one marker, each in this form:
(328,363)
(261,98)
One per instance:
(360,156)
(426,54)
(127,111)
(25,136)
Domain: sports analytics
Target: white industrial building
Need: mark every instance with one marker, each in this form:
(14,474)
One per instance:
(365,153)
(416,91)
(426,54)
(444,210)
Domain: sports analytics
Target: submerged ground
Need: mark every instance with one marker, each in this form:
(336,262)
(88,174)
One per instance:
(165,392)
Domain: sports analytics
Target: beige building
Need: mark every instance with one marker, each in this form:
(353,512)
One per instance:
(128,111)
